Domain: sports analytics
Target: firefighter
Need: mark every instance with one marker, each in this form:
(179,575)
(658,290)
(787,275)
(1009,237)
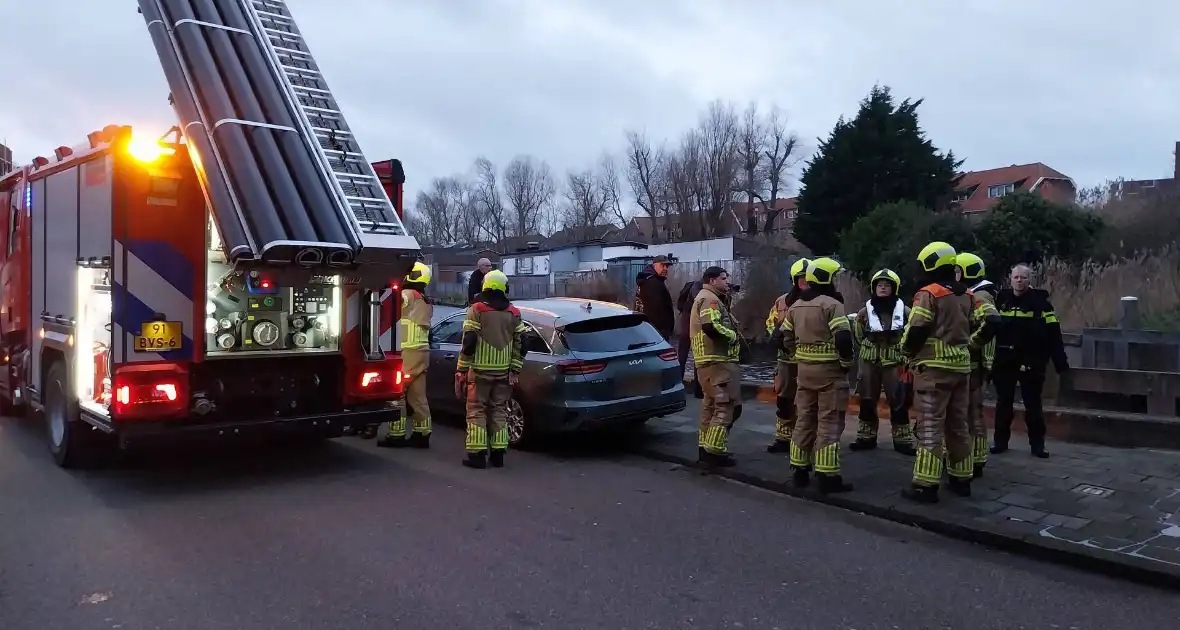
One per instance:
(489,366)
(937,345)
(786,370)
(877,328)
(414,331)
(715,351)
(970,270)
(816,330)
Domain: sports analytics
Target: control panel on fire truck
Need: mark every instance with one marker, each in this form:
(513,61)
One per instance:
(248,312)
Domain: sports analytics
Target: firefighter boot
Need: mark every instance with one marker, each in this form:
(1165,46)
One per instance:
(719,460)
(478,459)
(393,441)
(977,470)
(832,484)
(418,440)
(496,458)
(959,486)
(866,427)
(921,494)
(801,477)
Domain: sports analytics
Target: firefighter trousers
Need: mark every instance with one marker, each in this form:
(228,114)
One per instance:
(942,428)
(822,404)
(487,412)
(417,410)
(975,417)
(721,386)
(786,379)
(872,379)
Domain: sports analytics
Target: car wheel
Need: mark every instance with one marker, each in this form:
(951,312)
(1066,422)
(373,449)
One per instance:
(514,418)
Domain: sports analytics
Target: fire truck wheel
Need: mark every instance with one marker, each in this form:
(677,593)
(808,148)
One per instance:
(73,443)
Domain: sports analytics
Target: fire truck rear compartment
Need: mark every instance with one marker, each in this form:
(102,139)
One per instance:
(266,387)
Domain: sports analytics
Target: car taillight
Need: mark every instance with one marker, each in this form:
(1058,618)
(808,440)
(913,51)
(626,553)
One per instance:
(150,393)
(669,355)
(580,367)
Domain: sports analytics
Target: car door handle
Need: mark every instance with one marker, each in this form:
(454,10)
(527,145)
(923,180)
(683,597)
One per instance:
(448,356)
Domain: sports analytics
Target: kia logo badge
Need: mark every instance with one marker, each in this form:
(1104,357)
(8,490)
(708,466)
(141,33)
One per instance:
(635,362)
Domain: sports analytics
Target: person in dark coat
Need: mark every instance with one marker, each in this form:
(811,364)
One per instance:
(475,283)
(688,293)
(652,297)
(1029,338)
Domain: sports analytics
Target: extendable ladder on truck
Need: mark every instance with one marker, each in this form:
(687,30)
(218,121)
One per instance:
(283,172)
(355,178)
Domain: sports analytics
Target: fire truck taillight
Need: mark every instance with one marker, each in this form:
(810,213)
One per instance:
(149,394)
(384,382)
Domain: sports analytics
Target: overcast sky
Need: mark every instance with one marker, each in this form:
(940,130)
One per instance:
(1089,87)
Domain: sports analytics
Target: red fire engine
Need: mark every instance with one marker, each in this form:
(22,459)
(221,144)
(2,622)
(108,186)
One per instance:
(231,278)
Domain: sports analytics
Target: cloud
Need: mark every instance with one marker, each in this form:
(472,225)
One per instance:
(1088,89)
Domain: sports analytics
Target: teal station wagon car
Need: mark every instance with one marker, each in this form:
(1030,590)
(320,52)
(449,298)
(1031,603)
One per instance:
(590,365)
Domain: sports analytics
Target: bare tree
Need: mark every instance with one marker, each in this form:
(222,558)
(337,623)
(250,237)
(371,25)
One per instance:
(417,226)
(751,146)
(487,197)
(718,136)
(683,194)
(586,203)
(529,189)
(612,188)
(646,173)
(781,152)
(437,208)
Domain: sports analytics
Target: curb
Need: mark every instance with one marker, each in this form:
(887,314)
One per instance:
(1097,561)
(1105,428)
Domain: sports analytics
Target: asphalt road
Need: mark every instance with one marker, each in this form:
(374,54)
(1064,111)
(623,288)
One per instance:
(346,536)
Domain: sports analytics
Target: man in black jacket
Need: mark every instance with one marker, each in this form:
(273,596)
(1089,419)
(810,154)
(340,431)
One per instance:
(1029,337)
(475,283)
(652,297)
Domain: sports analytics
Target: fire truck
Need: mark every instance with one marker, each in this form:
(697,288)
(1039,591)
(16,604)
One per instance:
(231,278)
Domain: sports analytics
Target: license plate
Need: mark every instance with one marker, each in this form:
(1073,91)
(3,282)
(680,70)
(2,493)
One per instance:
(639,386)
(158,336)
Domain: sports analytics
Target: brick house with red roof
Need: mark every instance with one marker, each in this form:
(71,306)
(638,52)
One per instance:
(978,191)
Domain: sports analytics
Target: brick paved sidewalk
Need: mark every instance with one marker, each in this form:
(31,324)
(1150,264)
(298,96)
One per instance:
(1107,509)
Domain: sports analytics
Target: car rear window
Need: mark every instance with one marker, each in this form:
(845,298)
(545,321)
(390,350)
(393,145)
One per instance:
(610,334)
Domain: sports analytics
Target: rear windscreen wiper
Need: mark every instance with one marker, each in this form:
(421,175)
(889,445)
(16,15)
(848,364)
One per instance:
(642,344)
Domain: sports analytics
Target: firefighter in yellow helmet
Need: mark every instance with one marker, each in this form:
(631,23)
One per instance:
(489,365)
(877,329)
(816,330)
(787,369)
(936,344)
(985,317)
(414,332)
(715,350)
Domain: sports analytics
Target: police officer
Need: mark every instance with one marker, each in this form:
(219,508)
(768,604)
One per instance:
(715,352)
(816,330)
(1029,338)
(936,345)
(489,365)
(786,370)
(970,270)
(414,332)
(878,328)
